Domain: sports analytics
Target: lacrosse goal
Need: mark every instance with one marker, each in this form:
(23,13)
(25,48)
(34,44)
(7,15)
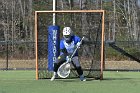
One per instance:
(87,23)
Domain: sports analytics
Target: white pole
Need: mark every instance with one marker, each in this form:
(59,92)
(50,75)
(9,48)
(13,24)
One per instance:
(138,3)
(114,21)
(54,8)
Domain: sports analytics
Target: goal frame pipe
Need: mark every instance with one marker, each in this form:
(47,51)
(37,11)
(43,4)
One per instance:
(71,11)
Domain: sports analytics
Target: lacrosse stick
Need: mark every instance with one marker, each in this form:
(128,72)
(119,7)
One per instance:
(64,70)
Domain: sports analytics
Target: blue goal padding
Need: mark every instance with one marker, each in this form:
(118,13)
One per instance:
(53,45)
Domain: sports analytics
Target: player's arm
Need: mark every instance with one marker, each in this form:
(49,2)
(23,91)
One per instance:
(65,54)
(85,40)
(78,41)
(63,50)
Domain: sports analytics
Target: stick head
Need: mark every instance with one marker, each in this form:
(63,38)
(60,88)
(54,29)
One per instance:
(64,70)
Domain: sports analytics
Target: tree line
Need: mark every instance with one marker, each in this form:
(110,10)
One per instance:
(17,19)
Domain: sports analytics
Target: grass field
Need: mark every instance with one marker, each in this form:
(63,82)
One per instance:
(24,82)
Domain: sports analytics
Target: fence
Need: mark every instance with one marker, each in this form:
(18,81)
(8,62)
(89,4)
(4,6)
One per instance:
(125,57)
(17,55)
(20,55)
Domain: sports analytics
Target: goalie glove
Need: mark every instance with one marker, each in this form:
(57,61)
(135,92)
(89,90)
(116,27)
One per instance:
(68,59)
(78,44)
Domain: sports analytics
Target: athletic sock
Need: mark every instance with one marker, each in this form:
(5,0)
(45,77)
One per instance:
(79,71)
(56,67)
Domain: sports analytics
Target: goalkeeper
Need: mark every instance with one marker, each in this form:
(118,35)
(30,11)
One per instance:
(67,46)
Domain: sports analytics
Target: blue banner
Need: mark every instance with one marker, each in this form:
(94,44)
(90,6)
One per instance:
(53,45)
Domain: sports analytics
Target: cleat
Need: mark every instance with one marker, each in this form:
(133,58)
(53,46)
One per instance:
(53,78)
(82,78)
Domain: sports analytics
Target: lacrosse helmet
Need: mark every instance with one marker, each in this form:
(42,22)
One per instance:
(67,34)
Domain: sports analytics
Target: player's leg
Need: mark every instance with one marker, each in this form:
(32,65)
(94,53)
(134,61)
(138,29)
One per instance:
(61,59)
(78,68)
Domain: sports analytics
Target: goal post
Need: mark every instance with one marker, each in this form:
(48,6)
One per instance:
(89,23)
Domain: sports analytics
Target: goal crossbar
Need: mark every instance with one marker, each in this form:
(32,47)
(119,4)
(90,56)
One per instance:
(72,11)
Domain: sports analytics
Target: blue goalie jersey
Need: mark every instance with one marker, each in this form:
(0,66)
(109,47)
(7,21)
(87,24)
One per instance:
(69,46)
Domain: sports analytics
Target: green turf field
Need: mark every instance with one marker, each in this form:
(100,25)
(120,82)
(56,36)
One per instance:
(24,82)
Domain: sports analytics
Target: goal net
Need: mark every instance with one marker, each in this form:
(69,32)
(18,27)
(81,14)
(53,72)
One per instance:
(88,23)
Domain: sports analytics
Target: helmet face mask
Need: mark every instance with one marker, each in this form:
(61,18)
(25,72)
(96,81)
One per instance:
(67,36)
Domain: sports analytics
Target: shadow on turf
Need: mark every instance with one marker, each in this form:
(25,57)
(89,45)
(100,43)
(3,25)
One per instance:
(90,79)
(75,80)
(117,78)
